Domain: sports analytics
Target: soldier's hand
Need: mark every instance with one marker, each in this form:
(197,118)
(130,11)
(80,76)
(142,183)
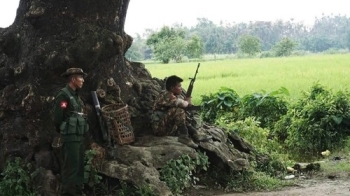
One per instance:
(188,99)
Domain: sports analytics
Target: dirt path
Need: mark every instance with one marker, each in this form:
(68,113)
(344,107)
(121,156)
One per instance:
(307,188)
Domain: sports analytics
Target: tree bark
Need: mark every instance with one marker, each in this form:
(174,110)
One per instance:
(46,38)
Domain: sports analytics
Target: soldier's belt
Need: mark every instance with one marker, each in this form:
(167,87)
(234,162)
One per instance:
(79,114)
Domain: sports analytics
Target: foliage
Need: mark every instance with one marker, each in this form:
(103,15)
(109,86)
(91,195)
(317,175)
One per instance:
(250,130)
(171,43)
(178,174)
(285,47)
(16,179)
(92,178)
(136,50)
(327,32)
(265,107)
(348,39)
(267,54)
(249,44)
(319,120)
(129,190)
(225,100)
(246,76)
(273,163)
(249,180)
(195,47)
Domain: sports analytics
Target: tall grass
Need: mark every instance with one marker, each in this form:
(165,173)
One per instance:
(247,76)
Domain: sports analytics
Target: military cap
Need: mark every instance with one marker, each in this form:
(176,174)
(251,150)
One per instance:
(73,71)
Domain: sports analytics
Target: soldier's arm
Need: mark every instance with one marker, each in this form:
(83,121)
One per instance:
(61,104)
(177,101)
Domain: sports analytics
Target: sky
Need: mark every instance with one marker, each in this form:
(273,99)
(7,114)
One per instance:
(154,14)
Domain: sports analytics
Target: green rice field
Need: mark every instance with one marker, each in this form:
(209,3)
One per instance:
(247,76)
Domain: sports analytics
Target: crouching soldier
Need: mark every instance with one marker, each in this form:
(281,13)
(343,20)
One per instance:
(169,117)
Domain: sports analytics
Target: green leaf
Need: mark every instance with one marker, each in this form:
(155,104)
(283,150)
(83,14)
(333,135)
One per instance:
(221,96)
(337,119)
(228,103)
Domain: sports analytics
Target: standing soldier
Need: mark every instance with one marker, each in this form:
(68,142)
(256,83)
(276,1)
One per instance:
(71,123)
(169,117)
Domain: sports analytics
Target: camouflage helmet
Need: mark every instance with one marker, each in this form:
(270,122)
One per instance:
(73,71)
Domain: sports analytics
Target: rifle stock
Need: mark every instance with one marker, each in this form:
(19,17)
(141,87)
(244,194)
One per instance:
(99,115)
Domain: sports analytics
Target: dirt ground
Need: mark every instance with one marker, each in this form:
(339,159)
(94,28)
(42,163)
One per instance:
(319,186)
(307,188)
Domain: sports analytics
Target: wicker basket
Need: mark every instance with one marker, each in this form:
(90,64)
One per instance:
(118,123)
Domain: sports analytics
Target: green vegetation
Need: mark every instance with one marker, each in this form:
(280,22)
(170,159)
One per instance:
(130,190)
(247,76)
(318,121)
(171,44)
(249,44)
(254,181)
(17,179)
(307,114)
(179,174)
(273,38)
(91,176)
(285,47)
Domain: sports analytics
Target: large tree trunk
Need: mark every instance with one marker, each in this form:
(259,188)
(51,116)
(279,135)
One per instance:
(46,38)
(50,36)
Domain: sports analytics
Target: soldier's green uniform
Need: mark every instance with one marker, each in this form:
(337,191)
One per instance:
(170,119)
(167,116)
(71,123)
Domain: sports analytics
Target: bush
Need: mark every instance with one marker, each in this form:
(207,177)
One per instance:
(300,53)
(316,122)
(250,130)
(266,54)
(265,107)
(16,179)
(253,181)
(335,51)
(178,174)
(213,105)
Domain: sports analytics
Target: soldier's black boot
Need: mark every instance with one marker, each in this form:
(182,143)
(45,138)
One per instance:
(184,138)
(198,136)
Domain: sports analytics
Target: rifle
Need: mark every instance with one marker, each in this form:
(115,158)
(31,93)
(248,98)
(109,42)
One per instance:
(190,86)
(99,115)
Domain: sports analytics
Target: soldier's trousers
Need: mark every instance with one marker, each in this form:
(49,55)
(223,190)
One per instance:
(72,168)
(172,123)
(171,120)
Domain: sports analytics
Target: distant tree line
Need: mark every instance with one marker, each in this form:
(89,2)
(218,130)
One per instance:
(279,37)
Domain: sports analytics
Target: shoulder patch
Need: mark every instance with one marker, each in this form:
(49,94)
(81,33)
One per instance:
(63,104)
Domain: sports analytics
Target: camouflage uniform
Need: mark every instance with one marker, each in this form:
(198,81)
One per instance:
(167,116)
(71,124)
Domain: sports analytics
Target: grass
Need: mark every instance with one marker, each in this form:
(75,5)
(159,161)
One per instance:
(339,167)
(256,181)
(247,76)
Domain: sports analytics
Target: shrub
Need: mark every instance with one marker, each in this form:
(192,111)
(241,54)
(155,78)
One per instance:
(266,54)
(178,174)
(226,100)
(248,180)
(266,107)
(16,179)
(316,122)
